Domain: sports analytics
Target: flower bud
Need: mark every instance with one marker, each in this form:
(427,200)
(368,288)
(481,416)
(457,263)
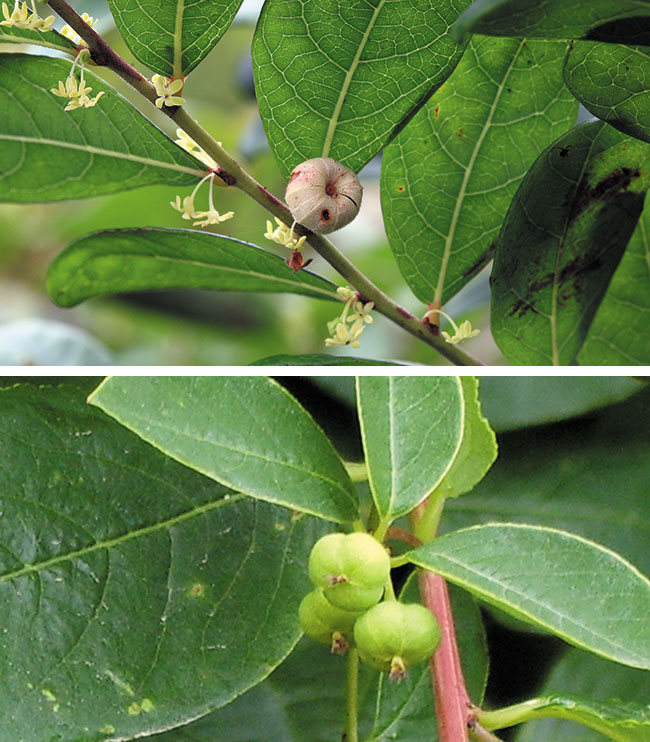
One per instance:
(393,636)
(352,569)
(323,195)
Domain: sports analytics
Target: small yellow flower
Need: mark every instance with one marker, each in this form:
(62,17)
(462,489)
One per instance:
(212,216)
(283,235)
(73,36)
(186,208)
(462,332)
(343,333)
(167,89)
(205,218)
(76,90)
(23,18)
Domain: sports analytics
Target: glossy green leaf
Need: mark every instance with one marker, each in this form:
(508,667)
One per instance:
(448,178)
(620,332)
(48,154)
(577,589)
(246,432)
(511,402)
(50,39)
(622,21)
(126,260)
(404,420)
(320,359)
(340,78)
(303,700)
(172,37)
(603,682)
(587,476)
(121,573)
(622,722)
(478,448)
(562,239)
(612,82)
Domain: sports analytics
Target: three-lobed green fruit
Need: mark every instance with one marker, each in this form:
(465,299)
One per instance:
(326,623)
(352,569)
(393,636)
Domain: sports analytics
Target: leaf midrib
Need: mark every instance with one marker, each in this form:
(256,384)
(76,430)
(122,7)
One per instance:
(124,538)
(334,119)
(104,152)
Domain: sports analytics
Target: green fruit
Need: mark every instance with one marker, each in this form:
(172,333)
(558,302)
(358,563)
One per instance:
(326,623)
(393,636)
(352,569)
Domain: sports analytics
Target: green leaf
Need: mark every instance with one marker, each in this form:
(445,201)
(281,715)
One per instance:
(47,154)
(511,402)
(303,700)
(130,585)
(339,79)
(623,722)
(578,590)
(562,239)
(141,259)
(50,39)
(411,428)
(172,37)
(624,21)
(611,81)
(448,178)
(601,681)
(320,359)
(620,333)
(588,476)
(478,448)
(246,432)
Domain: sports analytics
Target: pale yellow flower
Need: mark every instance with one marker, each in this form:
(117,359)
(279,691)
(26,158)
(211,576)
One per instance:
(167,89)
(24,18)
(73,36)
(283,235)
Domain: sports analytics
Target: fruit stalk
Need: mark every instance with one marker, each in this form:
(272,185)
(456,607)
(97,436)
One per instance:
(351,697)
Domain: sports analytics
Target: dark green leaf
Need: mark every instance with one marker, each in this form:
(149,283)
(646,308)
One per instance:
(141,259)
(478,448)
(48,154)
(578,590)
(588,476)
(320,359)
(340,79)
(303,700)
(448,178)
(622,21)
(620,332)
(136,594)
(611,81)
(563,237)
(403,420)
(172,37)
(511,402)
(245,432)
(597,679)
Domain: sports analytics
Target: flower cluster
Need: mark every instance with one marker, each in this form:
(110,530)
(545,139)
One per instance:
(283,235)
(461,332)
(77,90)
(73,36)
(167,89)
(346,329)
(187,209)
(24,18)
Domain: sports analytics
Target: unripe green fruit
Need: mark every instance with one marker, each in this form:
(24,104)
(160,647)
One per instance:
(326,623)
(352,569)
(393,636)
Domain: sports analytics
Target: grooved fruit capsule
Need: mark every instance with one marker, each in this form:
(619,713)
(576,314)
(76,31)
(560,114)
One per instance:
(352,569)
(326,623)
(393,636)
(323,195)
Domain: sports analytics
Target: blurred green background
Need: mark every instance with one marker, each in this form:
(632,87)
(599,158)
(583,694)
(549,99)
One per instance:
(200,327)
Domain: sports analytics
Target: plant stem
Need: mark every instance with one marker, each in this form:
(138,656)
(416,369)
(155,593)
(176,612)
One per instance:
(351,696)
(233,174)
(511,715)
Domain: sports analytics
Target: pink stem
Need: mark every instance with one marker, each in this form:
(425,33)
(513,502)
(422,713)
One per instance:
(452,702)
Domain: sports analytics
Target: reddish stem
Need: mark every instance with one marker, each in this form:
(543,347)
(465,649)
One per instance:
(451,699)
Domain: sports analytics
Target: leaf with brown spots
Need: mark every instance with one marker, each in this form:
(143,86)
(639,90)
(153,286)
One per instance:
(564,235)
